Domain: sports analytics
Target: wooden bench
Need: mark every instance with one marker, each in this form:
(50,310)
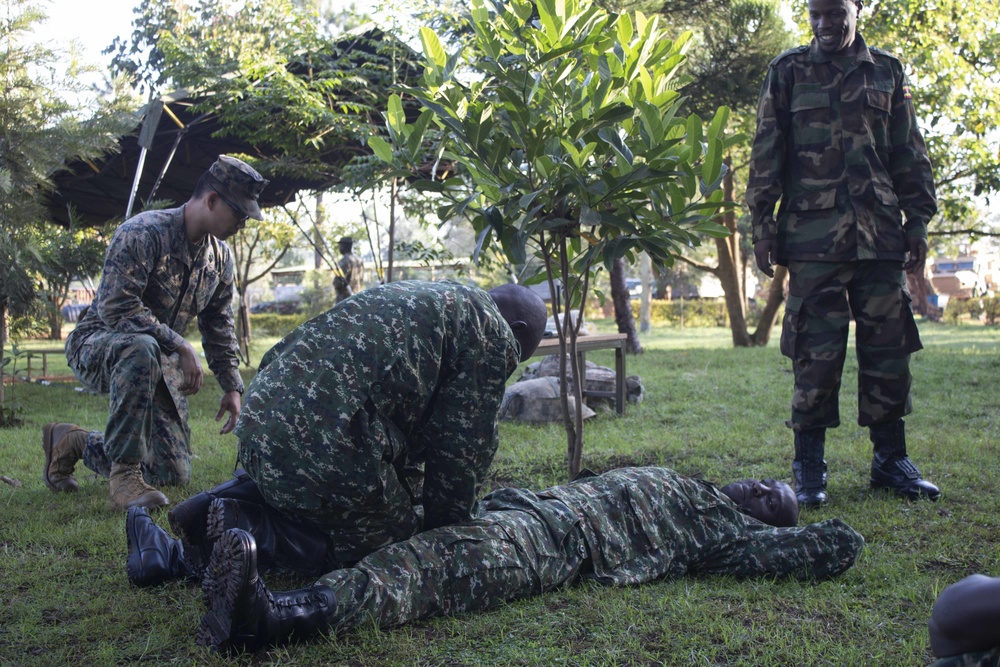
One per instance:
(585,344)
(44,354)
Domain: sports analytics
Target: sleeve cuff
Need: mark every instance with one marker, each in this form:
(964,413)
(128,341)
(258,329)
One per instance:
(915,230)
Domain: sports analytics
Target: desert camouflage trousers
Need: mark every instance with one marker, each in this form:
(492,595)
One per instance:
(501,556)
(822,298)
(984,659)
(147,423)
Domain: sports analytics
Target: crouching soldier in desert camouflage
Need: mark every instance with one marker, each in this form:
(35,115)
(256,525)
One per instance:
(837,141)
(162,270)
(627,526)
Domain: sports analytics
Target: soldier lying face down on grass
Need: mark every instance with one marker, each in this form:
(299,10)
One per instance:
(626,526)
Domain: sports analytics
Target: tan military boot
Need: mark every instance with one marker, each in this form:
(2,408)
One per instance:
(129,489)
(63,446)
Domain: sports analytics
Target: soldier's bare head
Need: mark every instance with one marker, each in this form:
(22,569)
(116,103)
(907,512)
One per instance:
(835,24)
(766,500)
(525,312)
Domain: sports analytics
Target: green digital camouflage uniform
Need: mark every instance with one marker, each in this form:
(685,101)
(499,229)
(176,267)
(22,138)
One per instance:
(627,526)
(989,658)
(837,142)
(153,285)
(345,409)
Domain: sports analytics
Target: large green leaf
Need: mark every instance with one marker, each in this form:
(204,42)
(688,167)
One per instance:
(381,148)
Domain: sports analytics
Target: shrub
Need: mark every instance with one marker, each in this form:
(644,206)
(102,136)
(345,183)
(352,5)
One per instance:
(686,312)
(271,324)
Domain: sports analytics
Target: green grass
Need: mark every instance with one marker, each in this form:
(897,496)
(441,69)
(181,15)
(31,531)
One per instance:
(708,409)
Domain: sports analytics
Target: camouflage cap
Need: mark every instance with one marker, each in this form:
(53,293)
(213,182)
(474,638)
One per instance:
(238,184)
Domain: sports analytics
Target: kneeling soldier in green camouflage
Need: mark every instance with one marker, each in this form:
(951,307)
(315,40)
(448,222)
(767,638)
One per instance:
(627,526)
(162,270)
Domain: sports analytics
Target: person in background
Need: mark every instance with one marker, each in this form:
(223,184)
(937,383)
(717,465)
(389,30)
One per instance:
(352,271)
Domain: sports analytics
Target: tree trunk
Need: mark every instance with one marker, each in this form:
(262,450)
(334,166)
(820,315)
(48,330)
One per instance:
(3,358)
(645,301)
(55,319)
(393,191)
(768,316)
(623,307)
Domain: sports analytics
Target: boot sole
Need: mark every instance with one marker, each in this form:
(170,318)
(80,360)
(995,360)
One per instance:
(47,447)
(880,486)
(226,577)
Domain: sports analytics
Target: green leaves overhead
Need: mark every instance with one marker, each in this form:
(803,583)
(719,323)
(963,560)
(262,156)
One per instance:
(571,122)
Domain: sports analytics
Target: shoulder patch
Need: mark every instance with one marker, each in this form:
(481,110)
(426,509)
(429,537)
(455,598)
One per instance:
(790,52)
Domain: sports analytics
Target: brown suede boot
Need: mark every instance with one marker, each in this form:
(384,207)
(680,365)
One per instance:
(129,489)
(63,446)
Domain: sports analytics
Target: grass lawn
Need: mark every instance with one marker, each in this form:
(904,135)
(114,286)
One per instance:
(708,409)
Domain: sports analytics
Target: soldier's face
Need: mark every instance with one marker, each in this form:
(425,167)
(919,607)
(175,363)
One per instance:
(766,500)
(227,219)
(834,24)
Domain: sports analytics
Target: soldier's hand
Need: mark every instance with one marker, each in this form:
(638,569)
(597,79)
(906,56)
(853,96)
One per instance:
(764,251)
(230,403)
(191,368)
(918,256)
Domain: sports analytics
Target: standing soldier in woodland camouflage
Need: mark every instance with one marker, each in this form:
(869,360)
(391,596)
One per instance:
(837,142)
(162,270)
(352,269)
(624,527)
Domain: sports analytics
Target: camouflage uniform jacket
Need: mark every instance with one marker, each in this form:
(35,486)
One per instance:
(354,271)
(837,141)
(429,359)
(151,284)
(644,523)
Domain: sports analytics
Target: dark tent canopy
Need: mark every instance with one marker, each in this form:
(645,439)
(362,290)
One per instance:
(182,143)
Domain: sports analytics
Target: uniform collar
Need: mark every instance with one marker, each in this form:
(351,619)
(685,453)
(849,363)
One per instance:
(179,247)
(863,53)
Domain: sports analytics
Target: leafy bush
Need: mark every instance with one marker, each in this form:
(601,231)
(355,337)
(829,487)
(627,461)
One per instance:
(986,309)
(271,324)
(686,312)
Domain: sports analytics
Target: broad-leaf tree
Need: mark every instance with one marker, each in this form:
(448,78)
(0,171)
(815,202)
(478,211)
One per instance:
(571,146)
(47,118)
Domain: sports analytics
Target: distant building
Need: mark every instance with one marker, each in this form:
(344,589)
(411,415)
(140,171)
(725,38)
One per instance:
(965,276)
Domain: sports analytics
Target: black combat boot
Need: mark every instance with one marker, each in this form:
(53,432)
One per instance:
(282,541)
(153,556)
(243,615)
(892,469)
(809,468)
(187,519)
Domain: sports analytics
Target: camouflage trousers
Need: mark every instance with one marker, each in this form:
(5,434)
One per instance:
(989,658)
(144,423)
(822,298)
(358,488)
(520,547)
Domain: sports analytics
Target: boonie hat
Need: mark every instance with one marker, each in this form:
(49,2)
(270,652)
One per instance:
(238,184)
